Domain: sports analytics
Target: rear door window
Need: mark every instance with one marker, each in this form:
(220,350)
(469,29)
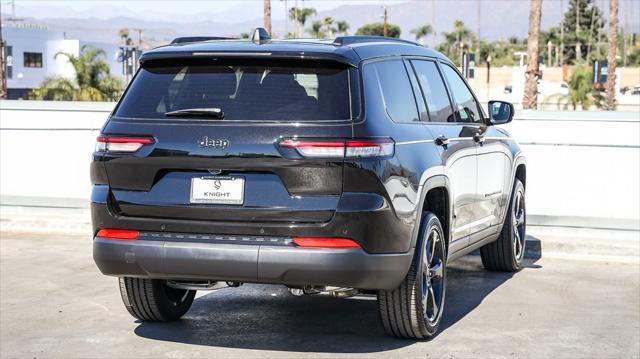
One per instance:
(434,91)
(243,92)
(391,80)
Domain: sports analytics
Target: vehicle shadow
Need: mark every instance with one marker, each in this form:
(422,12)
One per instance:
(266,317)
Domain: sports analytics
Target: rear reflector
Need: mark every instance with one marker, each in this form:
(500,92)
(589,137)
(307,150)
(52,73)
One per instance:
(121,234)
(341,148)
(121,144)
(315,242)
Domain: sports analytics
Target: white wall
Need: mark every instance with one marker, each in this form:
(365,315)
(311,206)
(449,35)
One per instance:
(583,167)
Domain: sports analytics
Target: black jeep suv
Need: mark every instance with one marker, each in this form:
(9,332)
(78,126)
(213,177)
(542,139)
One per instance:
(360,165)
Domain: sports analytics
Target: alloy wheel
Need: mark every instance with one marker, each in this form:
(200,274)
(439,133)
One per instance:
(433,276)
(518,221)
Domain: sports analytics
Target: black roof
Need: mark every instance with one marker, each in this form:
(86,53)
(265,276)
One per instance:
(349,50)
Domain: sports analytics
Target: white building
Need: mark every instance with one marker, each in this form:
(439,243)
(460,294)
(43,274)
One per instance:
(31,56)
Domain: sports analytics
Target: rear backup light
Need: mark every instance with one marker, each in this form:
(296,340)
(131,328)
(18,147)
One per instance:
(120,234)
(121,144)
(341,148)
(318,242)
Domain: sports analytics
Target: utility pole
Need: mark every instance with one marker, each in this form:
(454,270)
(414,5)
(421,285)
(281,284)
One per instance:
(488,77)
(13,9)
(3,65)
(611,66)
(433,23)
(295,18)
(478,44)
(139,31)
(286,19)
(267,16)
(624,38)
(385,31)
(561,33)
(577,18)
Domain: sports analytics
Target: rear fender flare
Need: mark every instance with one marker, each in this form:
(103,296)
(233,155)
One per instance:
(428,183)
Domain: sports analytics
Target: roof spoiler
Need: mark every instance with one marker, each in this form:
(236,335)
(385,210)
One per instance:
(356,39)
(186,39)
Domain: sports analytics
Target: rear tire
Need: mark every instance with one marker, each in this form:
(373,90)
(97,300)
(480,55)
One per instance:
(414,309)
(153,300)
(506,253)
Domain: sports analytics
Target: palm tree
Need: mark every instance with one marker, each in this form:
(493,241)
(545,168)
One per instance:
(301,15)
(581,91)
(343,27)
(316,29)
(613,47)
(328,26)
(92,82)
(530,100)
(267,15)
(456,40)
(124,35)
(421,32)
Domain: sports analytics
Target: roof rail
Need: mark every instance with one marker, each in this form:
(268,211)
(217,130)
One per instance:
(356,39)
(185,39)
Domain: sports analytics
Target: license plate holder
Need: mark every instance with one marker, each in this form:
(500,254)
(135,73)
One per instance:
(217,190)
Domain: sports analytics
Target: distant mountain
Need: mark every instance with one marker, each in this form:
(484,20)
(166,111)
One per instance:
(499,19)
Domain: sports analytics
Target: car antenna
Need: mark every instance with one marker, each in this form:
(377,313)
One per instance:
(260,35)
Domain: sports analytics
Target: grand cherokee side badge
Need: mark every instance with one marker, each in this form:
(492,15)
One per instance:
(208,142)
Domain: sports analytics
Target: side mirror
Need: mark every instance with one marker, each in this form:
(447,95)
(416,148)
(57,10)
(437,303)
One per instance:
(500,112)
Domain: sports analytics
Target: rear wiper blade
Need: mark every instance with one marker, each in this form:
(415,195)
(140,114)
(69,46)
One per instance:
(198,111)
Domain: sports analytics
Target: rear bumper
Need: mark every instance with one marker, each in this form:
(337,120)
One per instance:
(254,263)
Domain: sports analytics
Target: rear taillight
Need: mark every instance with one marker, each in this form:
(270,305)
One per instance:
(121,144)
(365,148)
(325,242)
(119,234)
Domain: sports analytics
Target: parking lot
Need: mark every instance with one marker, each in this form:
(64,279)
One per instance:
(55,303)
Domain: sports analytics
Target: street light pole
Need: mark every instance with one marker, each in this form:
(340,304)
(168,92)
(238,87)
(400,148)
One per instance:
(385,31)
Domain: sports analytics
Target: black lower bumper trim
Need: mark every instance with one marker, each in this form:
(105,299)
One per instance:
(260,263)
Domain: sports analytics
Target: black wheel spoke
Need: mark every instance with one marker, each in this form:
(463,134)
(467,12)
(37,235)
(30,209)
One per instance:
(434,304)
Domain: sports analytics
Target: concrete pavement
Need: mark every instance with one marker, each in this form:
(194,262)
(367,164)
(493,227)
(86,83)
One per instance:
(54,303)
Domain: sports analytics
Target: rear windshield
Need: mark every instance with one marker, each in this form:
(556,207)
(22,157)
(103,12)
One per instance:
(244,92)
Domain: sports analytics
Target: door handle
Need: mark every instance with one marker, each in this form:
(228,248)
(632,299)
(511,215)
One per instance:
(442,141)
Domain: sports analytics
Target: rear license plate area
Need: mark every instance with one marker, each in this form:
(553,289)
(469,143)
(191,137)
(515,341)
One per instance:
(217,190)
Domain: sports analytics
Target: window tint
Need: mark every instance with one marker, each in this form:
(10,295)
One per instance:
(467,108)
(393,83)
(243,92)
(434,91)
(422,108)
